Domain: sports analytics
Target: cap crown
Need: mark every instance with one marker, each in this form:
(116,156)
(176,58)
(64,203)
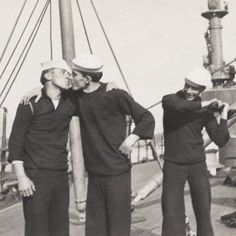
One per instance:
(87,63)
(58,64)
(199,77)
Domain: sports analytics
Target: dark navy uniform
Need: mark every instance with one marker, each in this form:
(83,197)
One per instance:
(103,129)
(184,160)
(38,138)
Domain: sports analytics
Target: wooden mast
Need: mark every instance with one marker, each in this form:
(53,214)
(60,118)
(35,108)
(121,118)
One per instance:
(68,52)
(67,30)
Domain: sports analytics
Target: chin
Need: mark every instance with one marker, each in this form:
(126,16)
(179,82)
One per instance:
(66,87)
(190,98)
(76,88)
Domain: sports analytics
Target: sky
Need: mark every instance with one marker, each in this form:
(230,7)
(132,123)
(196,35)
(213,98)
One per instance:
(157,43)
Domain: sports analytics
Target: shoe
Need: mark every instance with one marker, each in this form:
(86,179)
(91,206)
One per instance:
(228,216)
(231,222)
(231,113)
(228,181)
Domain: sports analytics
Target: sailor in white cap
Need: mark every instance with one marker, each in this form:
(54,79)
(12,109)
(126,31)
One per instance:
(37,149)
(86,68)
(58,72)
(196,82)
(185,116)
(105,147)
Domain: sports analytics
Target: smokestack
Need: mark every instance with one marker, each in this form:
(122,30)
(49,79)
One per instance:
(216,10)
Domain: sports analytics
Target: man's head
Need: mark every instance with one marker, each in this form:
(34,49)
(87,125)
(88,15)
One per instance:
(86,68)
(195,82)
(57,72)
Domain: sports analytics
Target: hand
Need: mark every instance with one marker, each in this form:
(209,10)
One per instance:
(207,103)
(127,145)
(26,186)
(34,92)
(110,86)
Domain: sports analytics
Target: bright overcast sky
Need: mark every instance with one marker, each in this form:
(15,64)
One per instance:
(157,42)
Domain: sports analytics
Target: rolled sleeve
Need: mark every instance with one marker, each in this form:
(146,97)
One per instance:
(218,133)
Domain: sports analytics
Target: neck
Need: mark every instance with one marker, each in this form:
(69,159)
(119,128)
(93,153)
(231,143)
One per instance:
(53,92)
(92,86)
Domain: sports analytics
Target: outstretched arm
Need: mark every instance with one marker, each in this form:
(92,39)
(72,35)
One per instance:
(143,119)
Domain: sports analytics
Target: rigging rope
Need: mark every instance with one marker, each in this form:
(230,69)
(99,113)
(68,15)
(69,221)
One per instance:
(19,40)
(110,46)
(13,30)
(51,45)
(155,104)
(84,27)
(33,35)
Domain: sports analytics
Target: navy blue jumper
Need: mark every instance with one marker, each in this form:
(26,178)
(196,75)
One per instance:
(184,160)
(103,129)
(39,139)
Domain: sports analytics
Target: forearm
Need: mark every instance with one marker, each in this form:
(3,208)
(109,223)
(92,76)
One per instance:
(19,169)
(144,127)
(132,139)
(218,133)
(178,104)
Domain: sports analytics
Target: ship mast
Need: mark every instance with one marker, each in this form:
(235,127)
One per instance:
(67,30)
(68,53)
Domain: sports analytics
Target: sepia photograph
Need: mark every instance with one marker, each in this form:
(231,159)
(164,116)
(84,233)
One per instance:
(117,118)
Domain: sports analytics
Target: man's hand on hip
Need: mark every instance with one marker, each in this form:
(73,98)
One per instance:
(128,143)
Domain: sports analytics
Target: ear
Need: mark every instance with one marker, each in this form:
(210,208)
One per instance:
(48,75)
(185,87)
(88,79)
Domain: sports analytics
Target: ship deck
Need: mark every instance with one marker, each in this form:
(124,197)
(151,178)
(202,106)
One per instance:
(223,202)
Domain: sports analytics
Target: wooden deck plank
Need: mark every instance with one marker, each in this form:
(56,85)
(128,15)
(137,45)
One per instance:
(223,202)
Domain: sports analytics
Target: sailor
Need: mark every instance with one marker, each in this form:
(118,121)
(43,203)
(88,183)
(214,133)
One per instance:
(37,149)
(185,116)
(105,147)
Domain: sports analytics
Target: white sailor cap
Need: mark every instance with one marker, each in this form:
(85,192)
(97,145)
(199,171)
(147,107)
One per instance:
(199,78)
(87,63)
(57,64)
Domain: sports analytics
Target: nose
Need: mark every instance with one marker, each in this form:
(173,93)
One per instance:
(189,90)
(69,80)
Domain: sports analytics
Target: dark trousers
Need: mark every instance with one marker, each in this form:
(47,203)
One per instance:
(173,208)
(108,210)
(46,212)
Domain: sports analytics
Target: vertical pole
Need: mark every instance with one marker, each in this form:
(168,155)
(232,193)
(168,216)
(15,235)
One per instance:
(215,28)
(68,52)
(67,30)
(214,14)
(3,144)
